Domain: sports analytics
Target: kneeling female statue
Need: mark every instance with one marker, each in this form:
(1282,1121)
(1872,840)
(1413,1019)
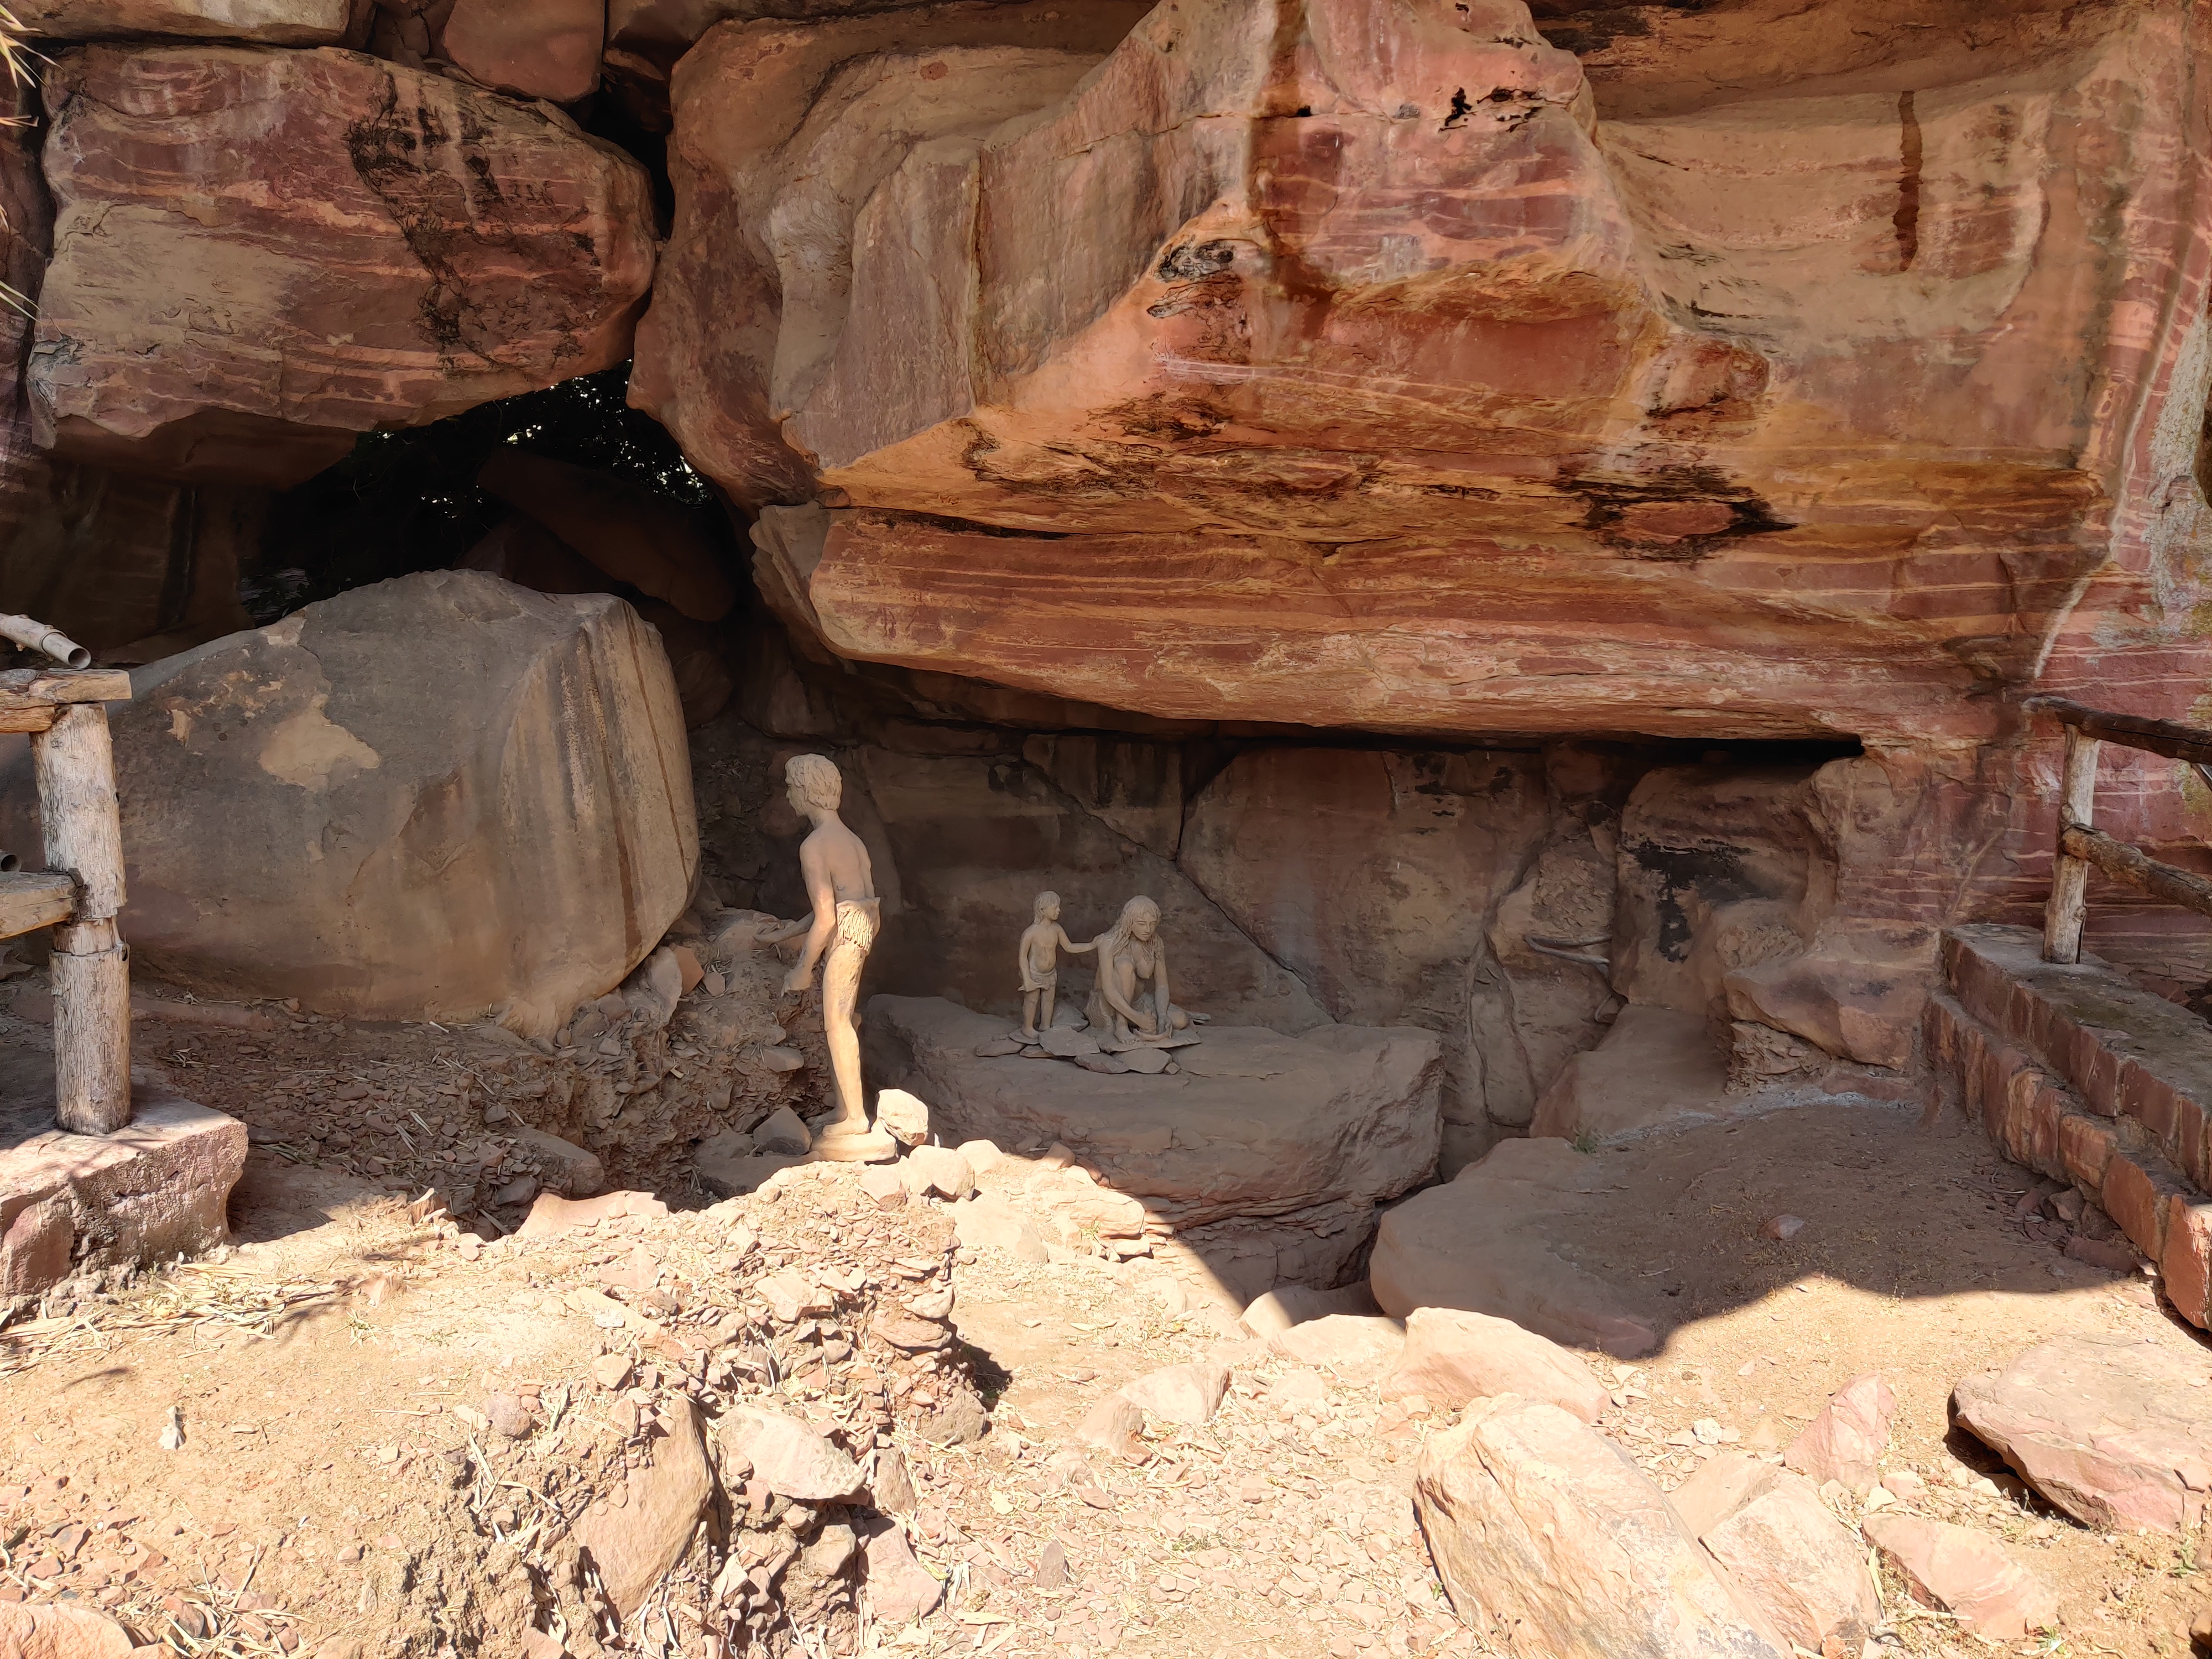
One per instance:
(1131,1001)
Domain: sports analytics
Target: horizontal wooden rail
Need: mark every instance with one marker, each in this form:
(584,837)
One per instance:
(2167,737)
(2132,866)
(31,699)
(34,899)
(2082,848)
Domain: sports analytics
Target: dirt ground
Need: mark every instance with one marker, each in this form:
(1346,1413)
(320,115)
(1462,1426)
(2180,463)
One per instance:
(336,1493)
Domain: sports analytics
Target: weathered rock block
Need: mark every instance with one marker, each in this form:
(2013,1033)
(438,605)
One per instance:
(1847,1437)
(1492,1241)
(1452,1356)
(634,1540)
(1545,1533)
(1965,1572)
(1257,1124)
(1656,1067)
(144,1194)
(1358,1348)
(51,1632)
(535,48)
(1187,1394)
(441,797)
(431,247)
(1374,877)
(790,1459)
(1790,1558)
(760,241)
(2112,1431)
(268,23)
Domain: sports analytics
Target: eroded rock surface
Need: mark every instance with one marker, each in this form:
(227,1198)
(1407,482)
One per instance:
(1846,1438)
(1662,530)
(1432,381)
(1452,1356)
(268,23)
(1656,1067)
(1967,1573)
(433,247)
(546,49)
(1538,1522)
(1799,1564)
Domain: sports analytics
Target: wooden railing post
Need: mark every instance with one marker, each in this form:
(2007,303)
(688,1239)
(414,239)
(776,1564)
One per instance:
(2063,915)
(75,762)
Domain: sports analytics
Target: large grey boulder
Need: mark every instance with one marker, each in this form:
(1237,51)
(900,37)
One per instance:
(1497,1239)
(441,797)
(1254,1123)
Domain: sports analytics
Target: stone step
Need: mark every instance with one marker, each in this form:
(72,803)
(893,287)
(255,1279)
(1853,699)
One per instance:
(2087,1079)
(2126,1052)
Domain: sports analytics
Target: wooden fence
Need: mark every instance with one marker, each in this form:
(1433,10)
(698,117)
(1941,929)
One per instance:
(2081,846)
(80,893)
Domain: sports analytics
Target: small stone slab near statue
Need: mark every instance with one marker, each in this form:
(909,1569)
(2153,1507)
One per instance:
(2115,1431)
(1256,1123)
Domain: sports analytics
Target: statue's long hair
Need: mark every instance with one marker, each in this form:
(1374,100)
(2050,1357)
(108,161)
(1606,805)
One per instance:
(1116,939)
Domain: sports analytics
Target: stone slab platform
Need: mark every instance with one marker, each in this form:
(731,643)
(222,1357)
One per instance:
(1256,1123)
(158,1186)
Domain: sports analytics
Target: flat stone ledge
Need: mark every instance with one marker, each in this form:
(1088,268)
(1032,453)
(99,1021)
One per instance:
(155,1188)
(1255,1124)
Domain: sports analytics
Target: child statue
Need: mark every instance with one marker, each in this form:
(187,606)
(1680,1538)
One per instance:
(834,863)
(1040,965)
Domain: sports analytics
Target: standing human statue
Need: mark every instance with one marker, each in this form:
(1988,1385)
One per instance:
(834,863)
(1041,945)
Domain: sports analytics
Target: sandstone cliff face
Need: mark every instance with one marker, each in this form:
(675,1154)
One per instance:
(1386,381)
(1154,384)
(259,254)
(273,22)
(107,558)
(1381,366)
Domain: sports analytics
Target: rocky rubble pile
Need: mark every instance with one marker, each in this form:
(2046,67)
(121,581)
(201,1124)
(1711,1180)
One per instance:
(1546,1528)
(700,1040)
(735,1459)
(770,1375)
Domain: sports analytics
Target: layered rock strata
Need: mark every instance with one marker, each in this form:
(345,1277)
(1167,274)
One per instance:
(1533,406)
(269,22)
(433,247)
(1409,376)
